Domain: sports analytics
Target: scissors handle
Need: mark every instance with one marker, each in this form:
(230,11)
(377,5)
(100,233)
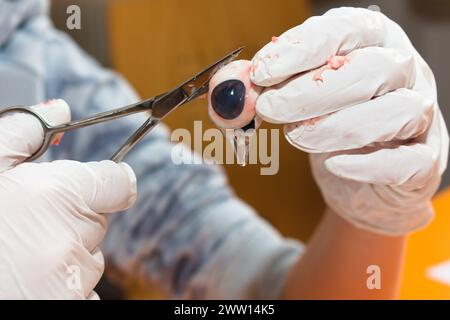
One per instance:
(47,128)
(147,105)
(50,130)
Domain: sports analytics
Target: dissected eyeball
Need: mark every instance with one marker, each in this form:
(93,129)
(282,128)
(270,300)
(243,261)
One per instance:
(232,97)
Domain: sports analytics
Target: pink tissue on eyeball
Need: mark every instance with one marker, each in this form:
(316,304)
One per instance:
(235,70)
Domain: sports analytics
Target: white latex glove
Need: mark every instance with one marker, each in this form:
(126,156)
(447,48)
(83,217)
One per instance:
(377,138)
(50,228)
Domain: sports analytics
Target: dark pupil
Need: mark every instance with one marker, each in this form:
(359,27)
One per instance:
(228,99)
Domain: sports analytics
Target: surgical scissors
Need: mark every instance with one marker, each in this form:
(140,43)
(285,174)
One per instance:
(158,107)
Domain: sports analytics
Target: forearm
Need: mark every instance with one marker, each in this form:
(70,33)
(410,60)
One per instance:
(336,261)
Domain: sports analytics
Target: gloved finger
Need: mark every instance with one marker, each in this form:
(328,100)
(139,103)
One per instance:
(86,270)
(399,115)
(22,134)
(309,45)
(370,72)
(80,190)
(407,165)
(438,139)
(404,165)
(95,269)
(104,186)
(93,296)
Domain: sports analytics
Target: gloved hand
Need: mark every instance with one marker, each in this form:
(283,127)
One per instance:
(50,226)
(370,118)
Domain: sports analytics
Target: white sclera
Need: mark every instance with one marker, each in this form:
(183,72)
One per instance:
(236,70)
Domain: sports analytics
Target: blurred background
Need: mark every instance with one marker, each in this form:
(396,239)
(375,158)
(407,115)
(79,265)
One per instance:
(156,44)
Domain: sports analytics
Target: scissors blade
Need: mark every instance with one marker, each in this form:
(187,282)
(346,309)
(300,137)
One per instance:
(190,89)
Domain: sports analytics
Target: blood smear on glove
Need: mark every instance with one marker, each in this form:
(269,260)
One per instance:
(57,139)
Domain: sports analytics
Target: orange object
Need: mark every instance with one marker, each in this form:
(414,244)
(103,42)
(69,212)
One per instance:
(427,249)
(57,140)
